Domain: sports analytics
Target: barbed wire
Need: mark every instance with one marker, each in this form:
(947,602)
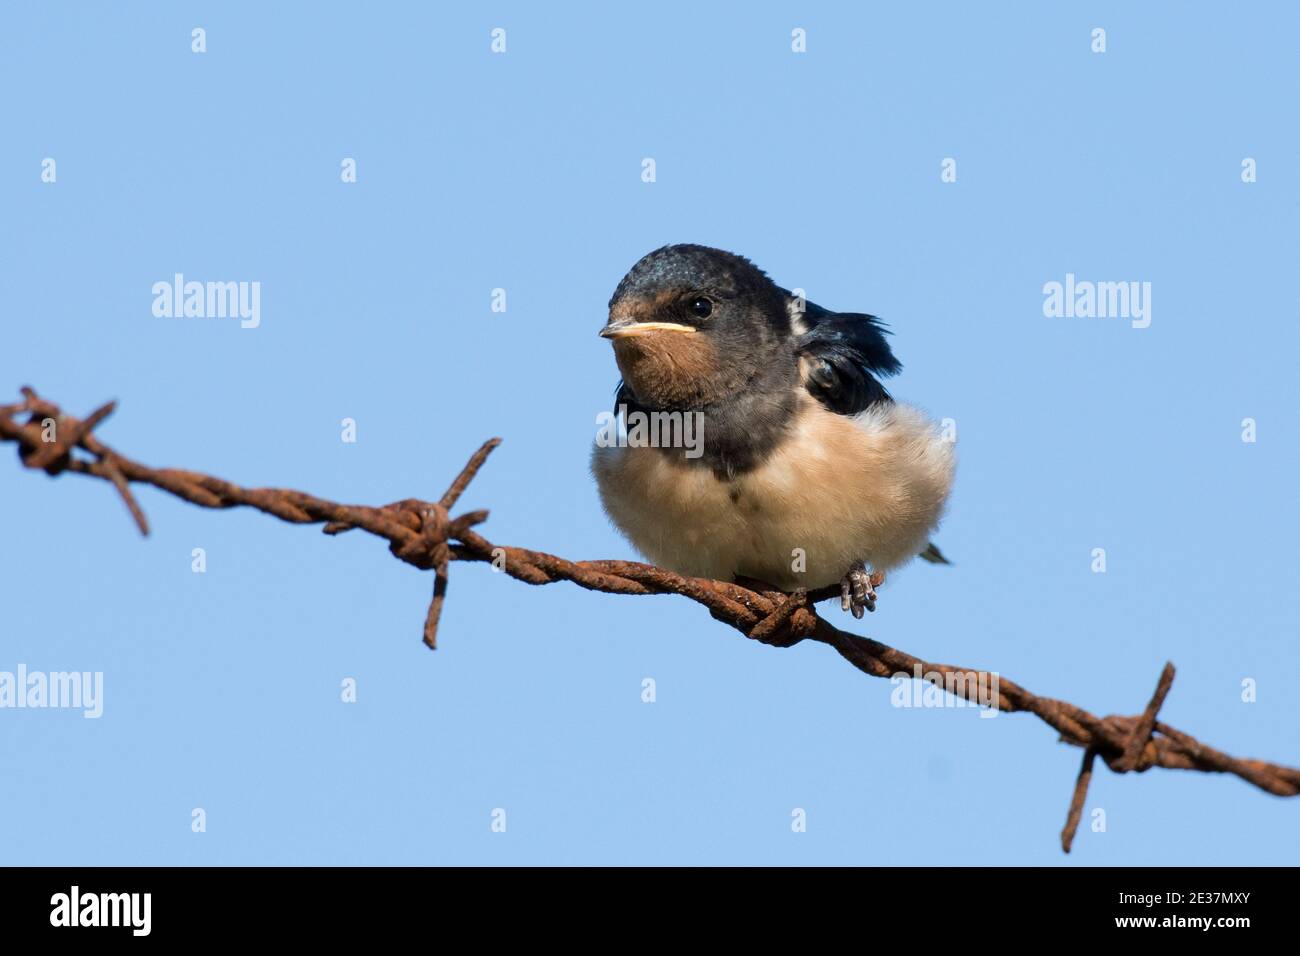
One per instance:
(423,534)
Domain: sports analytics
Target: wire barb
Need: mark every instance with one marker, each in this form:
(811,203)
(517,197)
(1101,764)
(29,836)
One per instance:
(1081,784)
(423,534)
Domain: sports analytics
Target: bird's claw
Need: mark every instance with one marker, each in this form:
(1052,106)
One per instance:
(857,589)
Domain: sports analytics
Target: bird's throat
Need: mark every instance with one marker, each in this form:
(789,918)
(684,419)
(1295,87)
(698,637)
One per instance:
(743,418)
(671,370)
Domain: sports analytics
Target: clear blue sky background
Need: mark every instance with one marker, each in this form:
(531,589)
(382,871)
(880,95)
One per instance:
(522,171)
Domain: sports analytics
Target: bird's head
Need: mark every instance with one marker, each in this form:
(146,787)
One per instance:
(692,325)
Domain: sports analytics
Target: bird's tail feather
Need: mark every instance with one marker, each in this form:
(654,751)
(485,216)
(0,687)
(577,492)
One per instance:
(933,554)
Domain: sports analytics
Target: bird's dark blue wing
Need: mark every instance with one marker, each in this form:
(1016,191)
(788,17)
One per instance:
(842,353)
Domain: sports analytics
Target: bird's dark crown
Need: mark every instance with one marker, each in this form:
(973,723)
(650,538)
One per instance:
(689,267)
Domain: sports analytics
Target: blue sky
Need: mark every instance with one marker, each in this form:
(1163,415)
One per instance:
(522,171)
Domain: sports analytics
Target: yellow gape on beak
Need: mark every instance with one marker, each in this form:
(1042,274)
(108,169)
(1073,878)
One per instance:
(625,329)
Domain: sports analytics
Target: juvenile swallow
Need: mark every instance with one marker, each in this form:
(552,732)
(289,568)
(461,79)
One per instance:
(808,472)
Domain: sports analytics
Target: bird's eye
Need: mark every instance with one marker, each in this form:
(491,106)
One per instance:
(702,307)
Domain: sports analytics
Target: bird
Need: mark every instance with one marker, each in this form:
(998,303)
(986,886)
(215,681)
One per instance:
(804,472)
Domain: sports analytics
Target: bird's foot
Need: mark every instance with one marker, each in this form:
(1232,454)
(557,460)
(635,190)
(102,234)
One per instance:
(858,589)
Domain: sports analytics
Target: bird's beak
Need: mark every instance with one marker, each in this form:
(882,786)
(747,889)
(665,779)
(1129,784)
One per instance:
(623,328)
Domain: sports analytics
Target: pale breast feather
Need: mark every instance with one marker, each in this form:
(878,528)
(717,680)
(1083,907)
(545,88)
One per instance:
(838,489)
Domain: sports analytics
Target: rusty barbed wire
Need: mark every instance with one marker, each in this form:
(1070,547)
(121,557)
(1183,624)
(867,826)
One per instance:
(423,534)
